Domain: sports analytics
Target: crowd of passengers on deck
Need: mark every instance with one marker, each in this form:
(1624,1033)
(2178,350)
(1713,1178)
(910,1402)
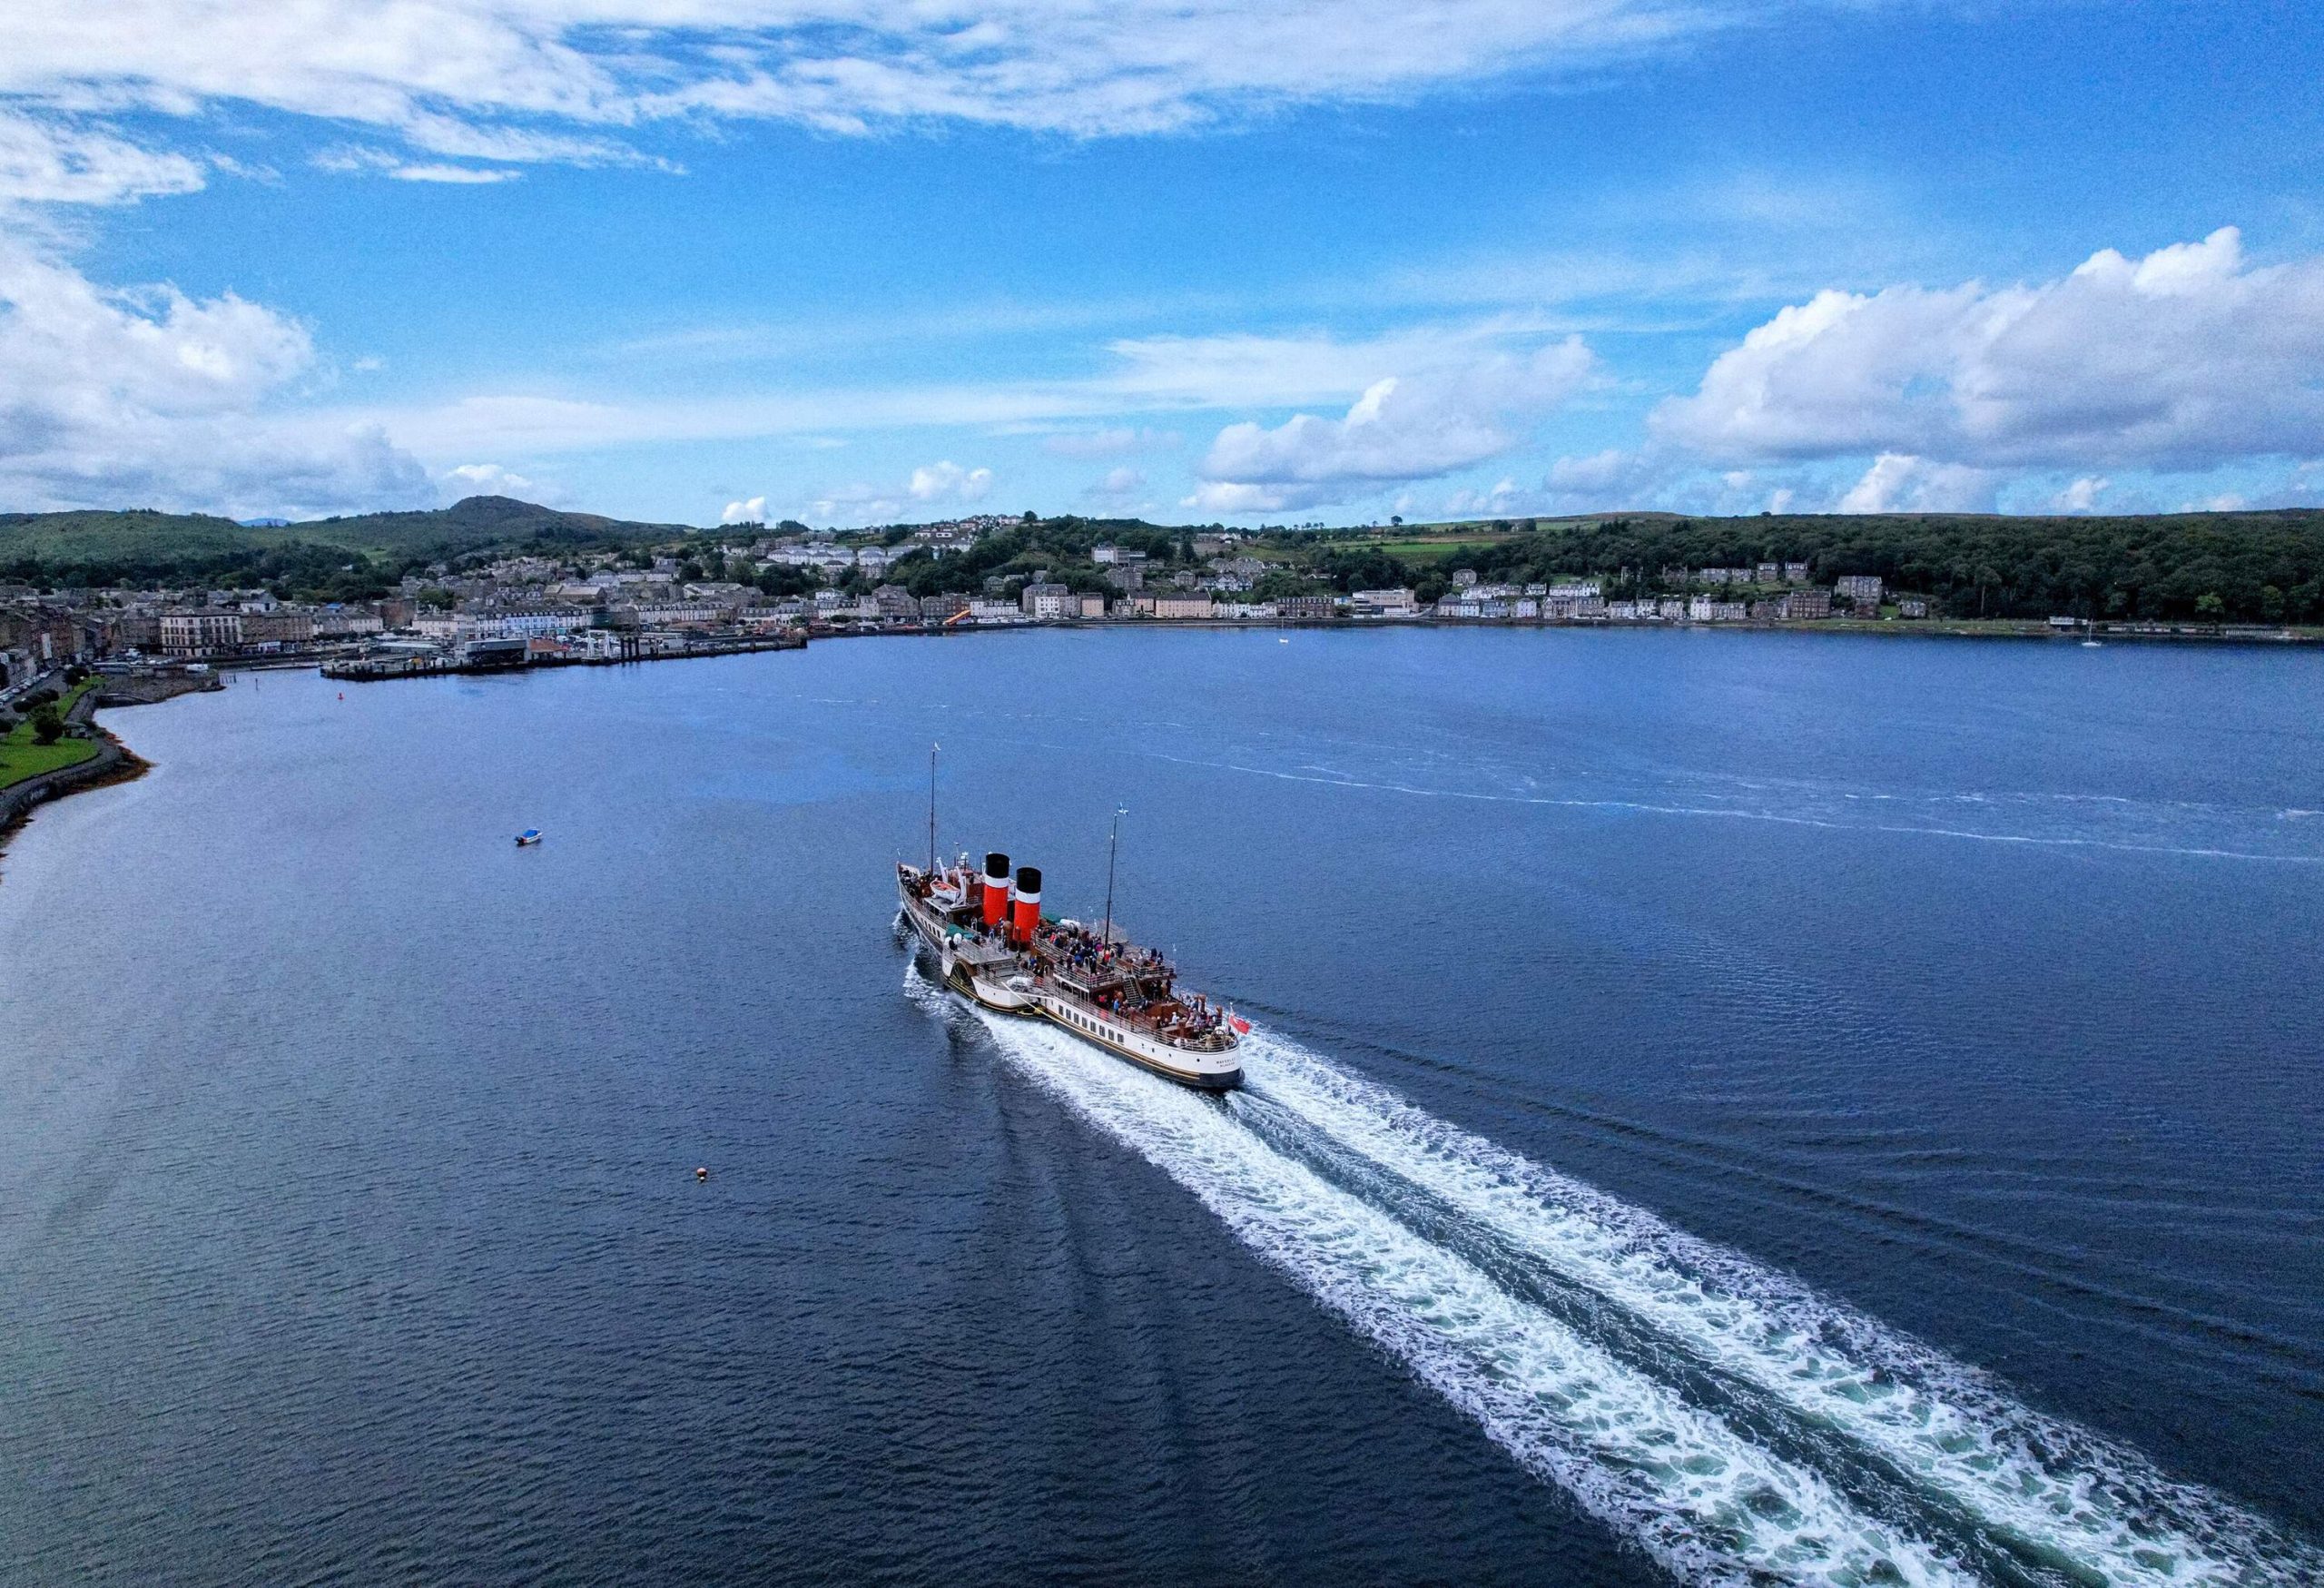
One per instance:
(1069,945)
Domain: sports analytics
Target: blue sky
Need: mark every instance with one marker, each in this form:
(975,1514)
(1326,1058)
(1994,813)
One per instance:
(855,261)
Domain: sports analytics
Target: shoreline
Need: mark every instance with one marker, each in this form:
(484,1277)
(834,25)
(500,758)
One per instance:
(1885,628)
(114,762)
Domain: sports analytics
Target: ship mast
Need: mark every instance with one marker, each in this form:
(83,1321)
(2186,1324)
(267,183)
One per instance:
(932,811)
(1113,846)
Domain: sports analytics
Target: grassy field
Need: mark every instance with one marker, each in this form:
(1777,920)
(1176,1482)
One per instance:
(1434,547)
(20,758)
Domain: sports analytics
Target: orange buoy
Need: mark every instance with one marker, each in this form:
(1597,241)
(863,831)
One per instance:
(700,1174)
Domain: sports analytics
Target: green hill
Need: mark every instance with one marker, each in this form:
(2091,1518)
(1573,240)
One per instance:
(138,536)
(476,523)
(139,545)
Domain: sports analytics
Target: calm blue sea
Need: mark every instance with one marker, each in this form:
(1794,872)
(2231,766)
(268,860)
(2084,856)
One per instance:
(1724,1108)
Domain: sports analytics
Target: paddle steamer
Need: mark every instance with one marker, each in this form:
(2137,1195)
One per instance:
(987,932)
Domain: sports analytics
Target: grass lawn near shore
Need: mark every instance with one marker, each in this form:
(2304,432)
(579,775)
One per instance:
(21,758)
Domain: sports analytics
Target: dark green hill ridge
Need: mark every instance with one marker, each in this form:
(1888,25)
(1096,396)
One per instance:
(140,544)
(475,523)
(139,536)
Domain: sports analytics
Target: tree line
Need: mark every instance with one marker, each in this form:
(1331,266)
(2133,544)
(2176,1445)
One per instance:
(2235,567)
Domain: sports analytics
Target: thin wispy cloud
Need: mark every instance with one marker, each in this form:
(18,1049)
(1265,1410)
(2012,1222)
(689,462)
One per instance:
(573,81)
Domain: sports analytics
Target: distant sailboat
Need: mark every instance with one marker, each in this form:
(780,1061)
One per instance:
(2090,640)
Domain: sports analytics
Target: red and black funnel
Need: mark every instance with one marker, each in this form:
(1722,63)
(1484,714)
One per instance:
(996,889)
(1028,907)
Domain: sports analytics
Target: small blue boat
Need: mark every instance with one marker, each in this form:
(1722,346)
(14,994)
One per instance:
(528,836)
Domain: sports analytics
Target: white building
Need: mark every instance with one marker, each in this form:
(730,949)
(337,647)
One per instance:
(194,634)
(521,622)
(682,613)
(524,623)
(1043,599)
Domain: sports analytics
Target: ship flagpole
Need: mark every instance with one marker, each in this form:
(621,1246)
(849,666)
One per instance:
(1113,847)
(931,810)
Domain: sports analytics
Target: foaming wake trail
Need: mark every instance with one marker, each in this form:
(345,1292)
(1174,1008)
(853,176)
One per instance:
(1707,1504)
(2058,1494)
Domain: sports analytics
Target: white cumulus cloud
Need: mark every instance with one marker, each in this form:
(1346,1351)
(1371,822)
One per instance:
(151,398)
(1117,486)
(1610,479)
(948,481)
(930,486)
(752,511)
(485,480)
(1504,498)
(2082,495)
(2186,358)
(1896,483)
(1403,428)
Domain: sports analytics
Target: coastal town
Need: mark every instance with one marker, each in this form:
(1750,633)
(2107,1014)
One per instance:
(718,593)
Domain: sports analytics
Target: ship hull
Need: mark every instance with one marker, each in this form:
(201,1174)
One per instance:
(1206,1070)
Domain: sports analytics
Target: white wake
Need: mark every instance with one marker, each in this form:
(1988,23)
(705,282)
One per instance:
(2065,1494)
(1697,1494)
